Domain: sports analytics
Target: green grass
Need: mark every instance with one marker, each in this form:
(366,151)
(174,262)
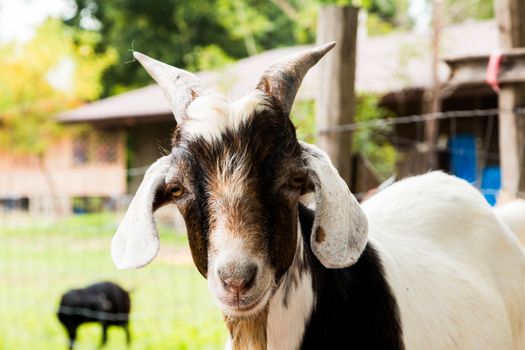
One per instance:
(171,306)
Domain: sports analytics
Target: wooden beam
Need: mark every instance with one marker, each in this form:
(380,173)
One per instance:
(510,15)
(472,70)
(335,97)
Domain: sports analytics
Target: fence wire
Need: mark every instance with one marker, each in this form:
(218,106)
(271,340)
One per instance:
(417,118)
(42,257)
(94,314)
(417,143)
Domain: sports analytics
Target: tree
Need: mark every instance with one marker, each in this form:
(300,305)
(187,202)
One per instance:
(205,34)
(383,15)
(219,30)
(54,71)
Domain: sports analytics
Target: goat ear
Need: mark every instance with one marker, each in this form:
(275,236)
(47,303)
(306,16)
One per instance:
(136,242)
(340,228)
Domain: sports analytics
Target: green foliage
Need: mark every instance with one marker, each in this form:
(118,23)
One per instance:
(206,34)
(207,58)
(386,15)
(459,11)
(28,134)
(376,26)
(371,140)
(244,22)
(383,15)
(303,117)
(171,305)
(29,101)
(165,29)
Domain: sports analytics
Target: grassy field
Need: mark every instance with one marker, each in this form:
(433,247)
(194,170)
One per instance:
(171,306)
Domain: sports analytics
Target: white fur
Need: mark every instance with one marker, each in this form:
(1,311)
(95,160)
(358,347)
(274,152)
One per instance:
(457,273)
(210,115)
(228,345)
(245,107)
(513,215)
(286,324)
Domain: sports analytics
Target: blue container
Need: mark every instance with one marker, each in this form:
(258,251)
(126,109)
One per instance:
(463,159)
(491,183)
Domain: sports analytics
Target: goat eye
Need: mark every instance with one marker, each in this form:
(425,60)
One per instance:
(296,181)
(177,191)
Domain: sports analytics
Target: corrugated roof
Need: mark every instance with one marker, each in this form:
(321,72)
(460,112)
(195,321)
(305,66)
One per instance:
(384,64)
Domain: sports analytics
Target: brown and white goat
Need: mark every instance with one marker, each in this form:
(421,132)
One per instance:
(428,267)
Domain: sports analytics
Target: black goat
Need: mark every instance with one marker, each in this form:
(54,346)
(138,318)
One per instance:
(104,302)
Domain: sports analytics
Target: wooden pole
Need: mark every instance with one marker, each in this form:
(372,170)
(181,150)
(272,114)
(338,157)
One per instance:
(434,94)
(335,97)
(510,15)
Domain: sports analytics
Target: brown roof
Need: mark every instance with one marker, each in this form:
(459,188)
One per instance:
(384,64)
(146,101)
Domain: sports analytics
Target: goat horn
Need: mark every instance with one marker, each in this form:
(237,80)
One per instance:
(180,87)
(283,77)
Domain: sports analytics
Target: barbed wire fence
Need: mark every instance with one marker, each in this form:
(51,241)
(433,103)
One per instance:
(43,257)
(416,118)
(42,260)
(418,144)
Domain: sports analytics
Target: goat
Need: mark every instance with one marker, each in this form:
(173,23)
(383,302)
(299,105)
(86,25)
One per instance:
(513,214)
(424,264)
(104,302)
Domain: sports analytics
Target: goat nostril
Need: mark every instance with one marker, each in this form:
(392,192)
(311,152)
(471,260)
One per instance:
(251,273)
(238,279)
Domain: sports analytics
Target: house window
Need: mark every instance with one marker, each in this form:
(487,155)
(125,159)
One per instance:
(81,149)
(96,146)
(107,146)
(14,203)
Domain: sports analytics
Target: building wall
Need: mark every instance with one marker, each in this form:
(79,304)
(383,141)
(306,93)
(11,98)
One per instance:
(102,172)
(145,144)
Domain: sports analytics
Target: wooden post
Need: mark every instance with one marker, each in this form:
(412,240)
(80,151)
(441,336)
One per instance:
(510,15)
(335,97)
(433,95)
